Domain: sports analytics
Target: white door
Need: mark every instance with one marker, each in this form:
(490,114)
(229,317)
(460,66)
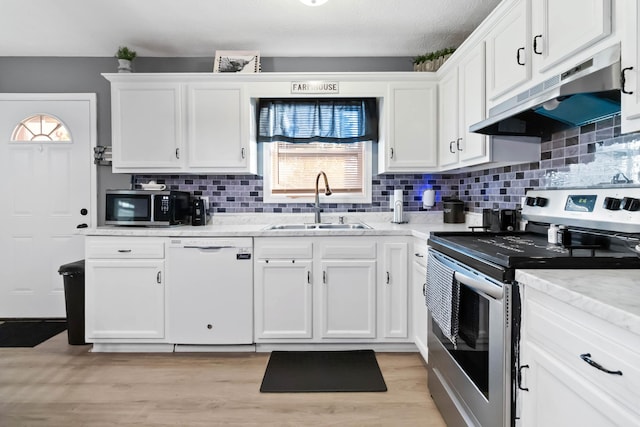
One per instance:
(46,182)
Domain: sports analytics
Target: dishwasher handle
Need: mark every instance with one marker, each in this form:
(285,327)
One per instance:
(207,248)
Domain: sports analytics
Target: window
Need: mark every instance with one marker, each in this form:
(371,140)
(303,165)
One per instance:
(290,171)
(304,137)
(40,128)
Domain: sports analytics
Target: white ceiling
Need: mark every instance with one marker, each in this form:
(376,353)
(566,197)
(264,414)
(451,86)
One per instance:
(197,28)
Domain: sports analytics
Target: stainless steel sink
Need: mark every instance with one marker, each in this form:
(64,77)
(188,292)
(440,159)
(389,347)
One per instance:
(354,226)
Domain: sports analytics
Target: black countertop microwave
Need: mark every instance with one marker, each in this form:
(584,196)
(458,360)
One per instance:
(147,207)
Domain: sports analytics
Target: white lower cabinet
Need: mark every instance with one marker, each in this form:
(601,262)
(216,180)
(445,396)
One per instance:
(395,278)
(283,298)
(125,289)
(348,298)
(418,285)
(562,387)
(330,289)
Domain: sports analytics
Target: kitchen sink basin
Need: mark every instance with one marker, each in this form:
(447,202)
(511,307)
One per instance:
(290,227)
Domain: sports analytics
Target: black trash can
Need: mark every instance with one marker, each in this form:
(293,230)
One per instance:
(73,276)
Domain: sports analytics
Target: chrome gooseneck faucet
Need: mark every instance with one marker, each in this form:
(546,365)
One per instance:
(327,192)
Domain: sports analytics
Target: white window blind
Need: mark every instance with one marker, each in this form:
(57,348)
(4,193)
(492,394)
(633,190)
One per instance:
(294,167)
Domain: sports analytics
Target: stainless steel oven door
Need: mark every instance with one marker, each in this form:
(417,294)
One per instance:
(470,381)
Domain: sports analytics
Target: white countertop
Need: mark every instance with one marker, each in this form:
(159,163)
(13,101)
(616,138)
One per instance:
(612,295)
(419,224)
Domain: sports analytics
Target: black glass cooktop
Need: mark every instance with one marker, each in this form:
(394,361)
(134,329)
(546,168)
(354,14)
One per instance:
(531,250)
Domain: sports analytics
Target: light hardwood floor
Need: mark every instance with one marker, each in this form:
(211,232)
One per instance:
(55,384)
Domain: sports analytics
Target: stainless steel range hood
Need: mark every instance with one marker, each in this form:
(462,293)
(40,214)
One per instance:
(585,93)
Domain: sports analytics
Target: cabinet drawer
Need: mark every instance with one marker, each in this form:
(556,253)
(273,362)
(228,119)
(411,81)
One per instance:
(339,248)
(123,247)
(287,248)
(574,333)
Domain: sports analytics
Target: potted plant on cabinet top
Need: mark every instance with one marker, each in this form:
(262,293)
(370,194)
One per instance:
(432,60)
(125,56)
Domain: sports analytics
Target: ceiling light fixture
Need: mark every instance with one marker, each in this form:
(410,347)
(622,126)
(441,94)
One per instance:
(313,2)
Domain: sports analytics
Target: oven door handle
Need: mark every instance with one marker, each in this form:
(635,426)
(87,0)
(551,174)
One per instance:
(491,290)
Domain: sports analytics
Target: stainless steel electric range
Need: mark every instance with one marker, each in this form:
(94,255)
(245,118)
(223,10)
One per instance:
(474,302)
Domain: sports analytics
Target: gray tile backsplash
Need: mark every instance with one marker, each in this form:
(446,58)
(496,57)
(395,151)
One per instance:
(590,155)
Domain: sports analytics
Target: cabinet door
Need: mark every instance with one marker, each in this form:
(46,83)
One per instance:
(125,299)
(217,128)
(420,321)
(564,28)
(472,147)
(395,296)
(630,96)
(283,299)
(447,150)
(412,135)
(146,126)
(508,52)
(348,299)
(558,396)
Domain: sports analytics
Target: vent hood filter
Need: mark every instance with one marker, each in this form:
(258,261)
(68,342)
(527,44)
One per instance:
(583,94)
(581,109)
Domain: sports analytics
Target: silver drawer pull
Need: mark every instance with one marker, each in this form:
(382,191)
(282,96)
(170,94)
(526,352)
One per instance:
(587,358)
(124,251)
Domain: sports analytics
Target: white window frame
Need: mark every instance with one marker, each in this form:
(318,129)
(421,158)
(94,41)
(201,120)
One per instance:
(364,197)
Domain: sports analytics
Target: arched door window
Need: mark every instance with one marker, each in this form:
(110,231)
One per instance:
(40,128)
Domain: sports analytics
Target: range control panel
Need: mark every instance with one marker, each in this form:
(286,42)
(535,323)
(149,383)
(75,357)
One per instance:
(612,209)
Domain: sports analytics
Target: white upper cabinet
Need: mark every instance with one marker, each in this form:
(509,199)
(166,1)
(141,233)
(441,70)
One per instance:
(534,39)
(462,103)
(630,96)
(217,127)
(146,126)
(508,53)
(411,136)
(563,28)
(172,124)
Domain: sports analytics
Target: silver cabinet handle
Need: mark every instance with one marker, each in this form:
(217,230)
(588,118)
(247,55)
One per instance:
(388,278)
(451,147)
(419,255)
(159,277)
(458,144)
(392,152)
(308,277)
(324,277)
(242,152)
(124,251)
(177,153)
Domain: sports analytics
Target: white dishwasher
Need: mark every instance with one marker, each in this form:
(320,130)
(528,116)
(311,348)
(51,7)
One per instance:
(210,290)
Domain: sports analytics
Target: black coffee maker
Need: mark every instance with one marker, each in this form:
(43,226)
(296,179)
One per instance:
(198,212)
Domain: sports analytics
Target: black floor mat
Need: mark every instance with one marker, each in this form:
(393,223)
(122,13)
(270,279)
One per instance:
(322,371)
(29,333)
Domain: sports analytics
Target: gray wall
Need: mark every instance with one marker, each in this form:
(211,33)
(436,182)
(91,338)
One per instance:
(83,75)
